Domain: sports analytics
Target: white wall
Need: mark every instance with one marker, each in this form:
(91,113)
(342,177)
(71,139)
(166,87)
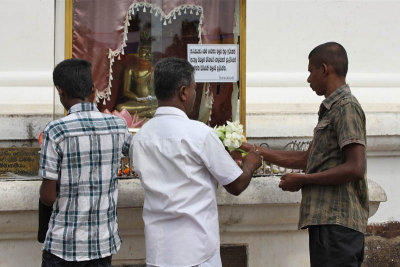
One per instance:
(286,31)
(280,34)
(27,60)
(281,105)
(27,54)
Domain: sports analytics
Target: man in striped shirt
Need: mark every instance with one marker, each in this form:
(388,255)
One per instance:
(79,161)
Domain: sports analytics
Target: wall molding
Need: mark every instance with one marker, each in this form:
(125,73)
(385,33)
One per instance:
(26,79)
(299,79)
(254,79)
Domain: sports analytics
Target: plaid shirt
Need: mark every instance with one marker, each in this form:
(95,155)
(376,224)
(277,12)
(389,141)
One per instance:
(82,151)
(341,122)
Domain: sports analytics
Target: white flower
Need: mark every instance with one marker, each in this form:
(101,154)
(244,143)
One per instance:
(231,135)
(227,142)
(234,127)
(220,132)
(229,127)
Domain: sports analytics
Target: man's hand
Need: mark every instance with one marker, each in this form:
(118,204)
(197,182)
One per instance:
(246,147)
(252,160)
(292,182)
(236,155)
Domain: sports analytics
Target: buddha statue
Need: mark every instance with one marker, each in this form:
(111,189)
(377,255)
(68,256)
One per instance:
(138,87)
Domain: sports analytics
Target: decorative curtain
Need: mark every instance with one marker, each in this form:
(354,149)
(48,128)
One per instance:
(100,29)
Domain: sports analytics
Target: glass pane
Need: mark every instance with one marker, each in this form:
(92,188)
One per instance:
(153,31)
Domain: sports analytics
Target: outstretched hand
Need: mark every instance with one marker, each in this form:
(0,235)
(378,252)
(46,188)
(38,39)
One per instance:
(239,154)
(252,160)
(292,182)
(246,147)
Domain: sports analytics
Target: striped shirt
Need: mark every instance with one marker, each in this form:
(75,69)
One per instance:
(82,152)
(341,122)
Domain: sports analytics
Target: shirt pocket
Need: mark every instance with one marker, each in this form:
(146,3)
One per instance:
(321,126)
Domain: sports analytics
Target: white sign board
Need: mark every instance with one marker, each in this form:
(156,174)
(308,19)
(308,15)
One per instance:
(214,62)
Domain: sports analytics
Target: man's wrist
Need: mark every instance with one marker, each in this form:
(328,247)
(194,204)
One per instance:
(257,149)
(248,167)
(306,179)
(253,166)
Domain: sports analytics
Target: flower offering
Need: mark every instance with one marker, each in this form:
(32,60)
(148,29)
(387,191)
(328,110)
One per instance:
(131,121)
(230,134)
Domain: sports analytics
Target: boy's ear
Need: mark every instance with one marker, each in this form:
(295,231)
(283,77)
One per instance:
(60,92)
(92,93)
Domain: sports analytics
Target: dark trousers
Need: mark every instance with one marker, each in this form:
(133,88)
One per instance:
(335,245)
(50,260)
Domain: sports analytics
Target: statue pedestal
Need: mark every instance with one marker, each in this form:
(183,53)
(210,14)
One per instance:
(142,110)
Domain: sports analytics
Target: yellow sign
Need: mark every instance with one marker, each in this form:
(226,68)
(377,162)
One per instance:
(19,160)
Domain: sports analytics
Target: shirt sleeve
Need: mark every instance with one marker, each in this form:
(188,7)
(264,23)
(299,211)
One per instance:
(127,142)
(50,158)
(218,161)
(350,125)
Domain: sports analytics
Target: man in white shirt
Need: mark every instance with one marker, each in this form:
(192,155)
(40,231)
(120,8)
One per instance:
(180,162)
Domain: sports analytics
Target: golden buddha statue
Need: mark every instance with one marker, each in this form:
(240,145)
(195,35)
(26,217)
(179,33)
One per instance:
(138,87)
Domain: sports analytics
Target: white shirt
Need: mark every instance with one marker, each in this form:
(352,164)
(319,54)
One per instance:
(179,162)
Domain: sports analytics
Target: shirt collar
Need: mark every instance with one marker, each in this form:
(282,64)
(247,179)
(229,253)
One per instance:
(170,111)
(336,95)
(85,106)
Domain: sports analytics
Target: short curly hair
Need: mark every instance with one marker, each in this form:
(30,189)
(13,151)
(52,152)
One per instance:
(332,54)
(170,74)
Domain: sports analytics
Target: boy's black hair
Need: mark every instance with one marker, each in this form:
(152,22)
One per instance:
(169,75)
(74,77)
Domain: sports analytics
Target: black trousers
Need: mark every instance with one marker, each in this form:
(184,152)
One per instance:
(335,245)
(50,260)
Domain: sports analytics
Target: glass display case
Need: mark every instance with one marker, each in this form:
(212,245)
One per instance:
(124,39)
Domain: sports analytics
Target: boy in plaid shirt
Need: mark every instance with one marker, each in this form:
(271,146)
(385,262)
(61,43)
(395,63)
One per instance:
(79,161)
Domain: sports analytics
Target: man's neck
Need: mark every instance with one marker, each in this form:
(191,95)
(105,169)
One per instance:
(333,85)
(171,103)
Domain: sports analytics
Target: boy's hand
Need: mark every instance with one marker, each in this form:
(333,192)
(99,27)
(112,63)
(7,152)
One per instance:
(48,192)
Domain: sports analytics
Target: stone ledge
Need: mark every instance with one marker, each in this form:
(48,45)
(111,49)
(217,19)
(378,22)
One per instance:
(24,195)
(262,214)
(22,127)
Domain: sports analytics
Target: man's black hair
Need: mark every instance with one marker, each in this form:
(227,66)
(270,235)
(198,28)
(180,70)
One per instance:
(170,74)
(74,77)
(332,54)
